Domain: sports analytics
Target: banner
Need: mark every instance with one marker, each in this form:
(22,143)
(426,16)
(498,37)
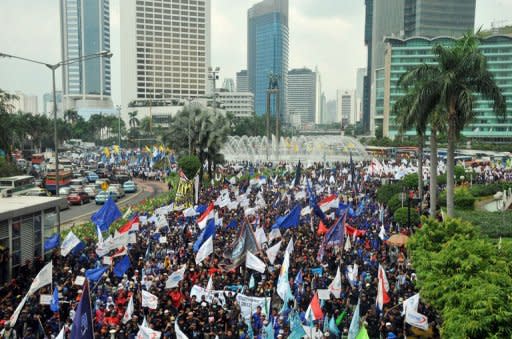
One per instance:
(198,291)
(416,319)
(248,305)
(184,194)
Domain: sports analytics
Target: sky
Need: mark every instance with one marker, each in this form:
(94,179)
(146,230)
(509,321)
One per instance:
(327,34)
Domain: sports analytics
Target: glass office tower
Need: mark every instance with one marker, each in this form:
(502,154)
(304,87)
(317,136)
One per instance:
(267,51)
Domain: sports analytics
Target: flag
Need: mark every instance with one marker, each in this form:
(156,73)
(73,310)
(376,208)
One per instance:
(329,202)
(61,334)
(336,234)
(352,231)
(209,286)
(416,319)
(383,288)
(128,212)
(17,311)
(179,332)
(333,328)
(122,266)
(175,278)
(299,279)
(363,333)
(54,304)
(69,243)
(290,220)
(149,300)
(95,274)
(411,304)
(340,318)
(316,309)
(43,278)
(245,242)
(82,322)
(283,285)
(274,234)
(252,283)
(128,226)
(100,236)
(272,252)
(260,235)
(207,215)
(297,175)
(312,202)
(205,250)
(106,215)
(348,246)
(322,229)
(52,242)
(232,224)
(148,333)
(78,248)
(335,286)
(289,248)
(353,331)
(382,233)
(268,331)
(206,233)
(129,311)
(254,263)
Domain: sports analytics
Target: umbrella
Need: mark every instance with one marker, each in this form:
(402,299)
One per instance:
(398,240)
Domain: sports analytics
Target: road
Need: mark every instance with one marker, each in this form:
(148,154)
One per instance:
(78,214)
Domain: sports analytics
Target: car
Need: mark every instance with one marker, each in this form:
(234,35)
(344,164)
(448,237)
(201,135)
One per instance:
(103,196)
(78,198)
(91,176)
(117,189)
(64,190)
(37,192)
(130,187)
(91,191)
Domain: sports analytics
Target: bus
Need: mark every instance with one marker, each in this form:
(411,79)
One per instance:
(37,158)
(17,185)
(65,177)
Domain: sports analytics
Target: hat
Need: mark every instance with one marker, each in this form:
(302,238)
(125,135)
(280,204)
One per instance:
(388,324)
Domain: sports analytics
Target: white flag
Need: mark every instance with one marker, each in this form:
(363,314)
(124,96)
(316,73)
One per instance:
(274,234)
(416,319)
(190,212)
(305,211)
(129,311)
(149,300)
(61,334)
(179,332)
(272,252)
(148,333)
(175,278)
(69,243)
(289,248)
(411,304)
(254,263)
(335,286)
(348,246)
(43,278)
(382,233)
(205,250)
(17,311)
(260,236)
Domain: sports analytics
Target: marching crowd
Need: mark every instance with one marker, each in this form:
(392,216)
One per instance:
(216,296)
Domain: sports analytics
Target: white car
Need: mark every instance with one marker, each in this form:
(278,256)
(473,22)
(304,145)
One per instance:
(117,189)
(91,191)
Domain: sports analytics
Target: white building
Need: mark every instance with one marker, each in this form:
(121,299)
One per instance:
(85,30)
(240,104)
(26,103)
(165,50)
(302,95)
(242,81)
(346,106)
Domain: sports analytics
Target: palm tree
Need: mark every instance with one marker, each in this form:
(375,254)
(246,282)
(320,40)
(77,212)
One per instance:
(451,85)
(71,116)
(133,120)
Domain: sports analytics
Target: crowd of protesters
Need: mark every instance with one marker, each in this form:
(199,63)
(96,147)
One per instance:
(152,262)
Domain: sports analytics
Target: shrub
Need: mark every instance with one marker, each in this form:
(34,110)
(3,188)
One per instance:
(394,203)
(386,192)
(410,181)
(463,199)
(441,179)
(483,190)
(190,164)
(400,216)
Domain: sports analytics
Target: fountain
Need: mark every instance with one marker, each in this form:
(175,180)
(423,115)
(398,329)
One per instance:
(293,149)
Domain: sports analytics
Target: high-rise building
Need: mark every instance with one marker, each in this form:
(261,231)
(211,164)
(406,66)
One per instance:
(240,104)
(346,107)
(228,84)
(48,104)
(320,115)
(165,51)
(330,115)
(434,18)
(361,73)
(367,82)
(403,54)
(302,99)
(242,81)
(267,52)
(85,30)
(25,103)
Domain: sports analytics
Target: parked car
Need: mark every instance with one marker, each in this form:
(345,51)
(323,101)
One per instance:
(91,176)
(78,198)
(63,191)
(37,192)
(103,196)
(130,187)
(91,191)
(118,189)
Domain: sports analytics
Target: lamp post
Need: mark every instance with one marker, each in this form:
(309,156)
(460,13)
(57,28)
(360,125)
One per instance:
(53,68)
(214,75)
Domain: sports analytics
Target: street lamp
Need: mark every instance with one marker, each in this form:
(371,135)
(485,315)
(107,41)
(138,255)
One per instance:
(54,67)
(214,75)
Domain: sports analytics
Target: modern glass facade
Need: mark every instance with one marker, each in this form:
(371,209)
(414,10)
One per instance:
(267,52)
(85,29)
(433,18)
(379,98)
(367,82)
(402,55)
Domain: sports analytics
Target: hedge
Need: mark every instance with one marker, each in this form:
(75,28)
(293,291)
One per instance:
(386,192)
(400,216)
(463,199)
(484,190)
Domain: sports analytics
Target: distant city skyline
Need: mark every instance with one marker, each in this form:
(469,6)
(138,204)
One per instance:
(327,34)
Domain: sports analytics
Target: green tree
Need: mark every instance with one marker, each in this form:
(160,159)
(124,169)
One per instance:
(133,120)
(460,73)
(71,116)
(190,165)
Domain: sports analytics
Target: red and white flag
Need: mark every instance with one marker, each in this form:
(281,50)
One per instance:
(315,310)
(383,288)
(329,202)
(129,311)
(207,215)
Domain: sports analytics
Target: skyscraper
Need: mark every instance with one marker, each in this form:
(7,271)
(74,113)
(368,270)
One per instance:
(361,73)
(85,29)
(433,18)
(267,52)
(242,81)
(165,50)
(228,84)
(302,99)
(367,82)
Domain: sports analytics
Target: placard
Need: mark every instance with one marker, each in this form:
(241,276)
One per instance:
(45,299)
(80,280)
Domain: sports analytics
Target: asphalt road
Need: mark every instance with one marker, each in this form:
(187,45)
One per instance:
(78,214)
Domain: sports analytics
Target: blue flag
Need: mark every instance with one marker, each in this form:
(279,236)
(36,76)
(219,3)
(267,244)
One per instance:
(232,224)
(200,209)
(333,328)
(313,203)
(82,322)
(78,248)
(54,304)
(122,266)
(208,231)
(317,270)
(355,323)
(336,234)
(298,278)
(95,274)
(52,242)
(106,215)
(290,220)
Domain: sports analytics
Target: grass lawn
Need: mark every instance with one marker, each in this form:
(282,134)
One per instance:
(492,224)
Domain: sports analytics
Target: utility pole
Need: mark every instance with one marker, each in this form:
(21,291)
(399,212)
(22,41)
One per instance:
(273,89)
